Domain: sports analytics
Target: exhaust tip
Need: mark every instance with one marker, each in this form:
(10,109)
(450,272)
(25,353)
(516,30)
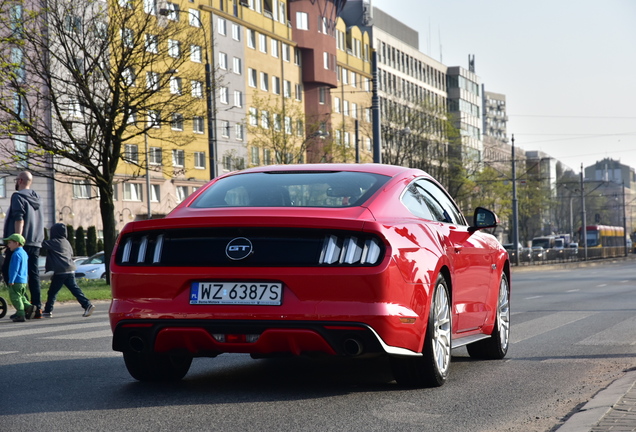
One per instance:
(353,347)
(136,343)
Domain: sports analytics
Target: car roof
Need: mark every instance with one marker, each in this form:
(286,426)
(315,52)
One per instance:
(388,170)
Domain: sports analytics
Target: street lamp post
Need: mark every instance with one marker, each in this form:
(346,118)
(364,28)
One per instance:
(210,101)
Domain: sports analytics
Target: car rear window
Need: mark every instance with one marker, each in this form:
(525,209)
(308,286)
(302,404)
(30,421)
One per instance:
(291,189)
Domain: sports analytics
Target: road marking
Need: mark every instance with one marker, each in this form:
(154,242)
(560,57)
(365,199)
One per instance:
(532,298)
(8,352)
(85,335)
(573,290)
(601,285)
(620,334)
(40,329)
(538,326)
(83,354)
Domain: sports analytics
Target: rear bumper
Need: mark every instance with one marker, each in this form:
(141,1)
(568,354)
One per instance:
(209,338)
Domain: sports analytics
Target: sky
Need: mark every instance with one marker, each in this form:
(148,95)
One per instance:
(566,67)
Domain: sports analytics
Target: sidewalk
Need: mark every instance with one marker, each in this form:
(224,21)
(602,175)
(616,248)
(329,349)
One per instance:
(612,409)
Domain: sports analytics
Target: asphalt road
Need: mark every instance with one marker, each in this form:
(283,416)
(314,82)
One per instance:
(572,335)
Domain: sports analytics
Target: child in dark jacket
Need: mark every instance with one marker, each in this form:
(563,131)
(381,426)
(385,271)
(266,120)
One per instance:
(59,259)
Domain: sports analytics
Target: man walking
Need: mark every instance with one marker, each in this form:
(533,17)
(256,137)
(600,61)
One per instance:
(25,217)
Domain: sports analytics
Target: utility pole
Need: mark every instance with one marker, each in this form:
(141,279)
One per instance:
(583,219)
(515,205)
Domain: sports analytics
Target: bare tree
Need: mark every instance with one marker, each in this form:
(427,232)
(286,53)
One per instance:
(84,79)
(277,128)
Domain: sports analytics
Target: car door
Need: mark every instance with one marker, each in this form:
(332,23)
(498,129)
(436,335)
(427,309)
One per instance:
(470,259)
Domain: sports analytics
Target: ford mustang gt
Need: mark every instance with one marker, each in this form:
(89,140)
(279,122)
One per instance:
(322,259)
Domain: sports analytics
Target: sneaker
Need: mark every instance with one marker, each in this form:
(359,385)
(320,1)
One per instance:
(29,312)
(38,313)
(47,314)
(18,319)
(13,316)
(89,310)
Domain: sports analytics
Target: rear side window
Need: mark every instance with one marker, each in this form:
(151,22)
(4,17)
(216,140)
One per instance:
(291,189)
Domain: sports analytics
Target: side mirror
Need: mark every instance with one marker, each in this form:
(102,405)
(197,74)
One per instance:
(483,218)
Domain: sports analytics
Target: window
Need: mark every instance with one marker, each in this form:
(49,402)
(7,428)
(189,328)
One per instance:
(277,123)
(177,122)
(267,156)
(287,89)
(299,92)
(251,38)
(345,76)
(297,56)
(198,124)
(152,45)
(154,193)
(264,119)
(132,192)
(150,7)
(254,156)
(178,158)
(153,118)
(336,104)
(237,66)
(223,60)
(274,48)
(199,160)
(197,89)
(236,32)
(253,116)
(73,24)
(155,156)
(194,16)
(176,85)
(3,187)
(238,98)
(174,48)
(224,95)
(276,85)
(127,37)
(262,43)
(322,95)
(18,64)
(302,23)
(182,193)
(131,153)
(222,26)
(81,189)
(300,128)
(345,107)
(173,11)
(128,76)
(286,52)
(251,74)
(354,110)
(195,53)
(239,132)
(288,125)
(152,81)
(264,81)
(225,128)
(21,150)
(353,79)
(325,59)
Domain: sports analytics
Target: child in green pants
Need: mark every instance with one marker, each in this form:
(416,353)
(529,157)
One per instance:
(18,278)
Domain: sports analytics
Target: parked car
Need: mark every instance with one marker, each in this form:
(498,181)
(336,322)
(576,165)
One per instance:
(44,275)
(573,250)
(539,254)
(92,268)
(336,259)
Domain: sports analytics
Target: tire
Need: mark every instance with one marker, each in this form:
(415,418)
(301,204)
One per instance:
(156,367)
(3,307)
(431,369)
(496,346)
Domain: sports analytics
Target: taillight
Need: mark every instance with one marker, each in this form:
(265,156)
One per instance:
(350,250)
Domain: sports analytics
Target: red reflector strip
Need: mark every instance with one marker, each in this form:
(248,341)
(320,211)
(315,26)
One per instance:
(235,338)
(343,328)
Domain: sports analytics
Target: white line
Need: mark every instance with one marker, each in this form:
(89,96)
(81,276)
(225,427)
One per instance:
(52,329)
(573,290)
(601,285)
(84,354)
(85,335)
(8,352)
(532,298)
(535,327)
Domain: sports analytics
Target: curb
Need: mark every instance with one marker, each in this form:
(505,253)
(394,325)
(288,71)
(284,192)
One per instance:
(593,411)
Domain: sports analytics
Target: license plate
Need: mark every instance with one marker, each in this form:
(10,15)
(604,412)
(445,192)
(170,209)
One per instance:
(247,293)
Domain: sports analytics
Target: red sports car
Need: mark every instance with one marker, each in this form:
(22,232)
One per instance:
(335,259)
